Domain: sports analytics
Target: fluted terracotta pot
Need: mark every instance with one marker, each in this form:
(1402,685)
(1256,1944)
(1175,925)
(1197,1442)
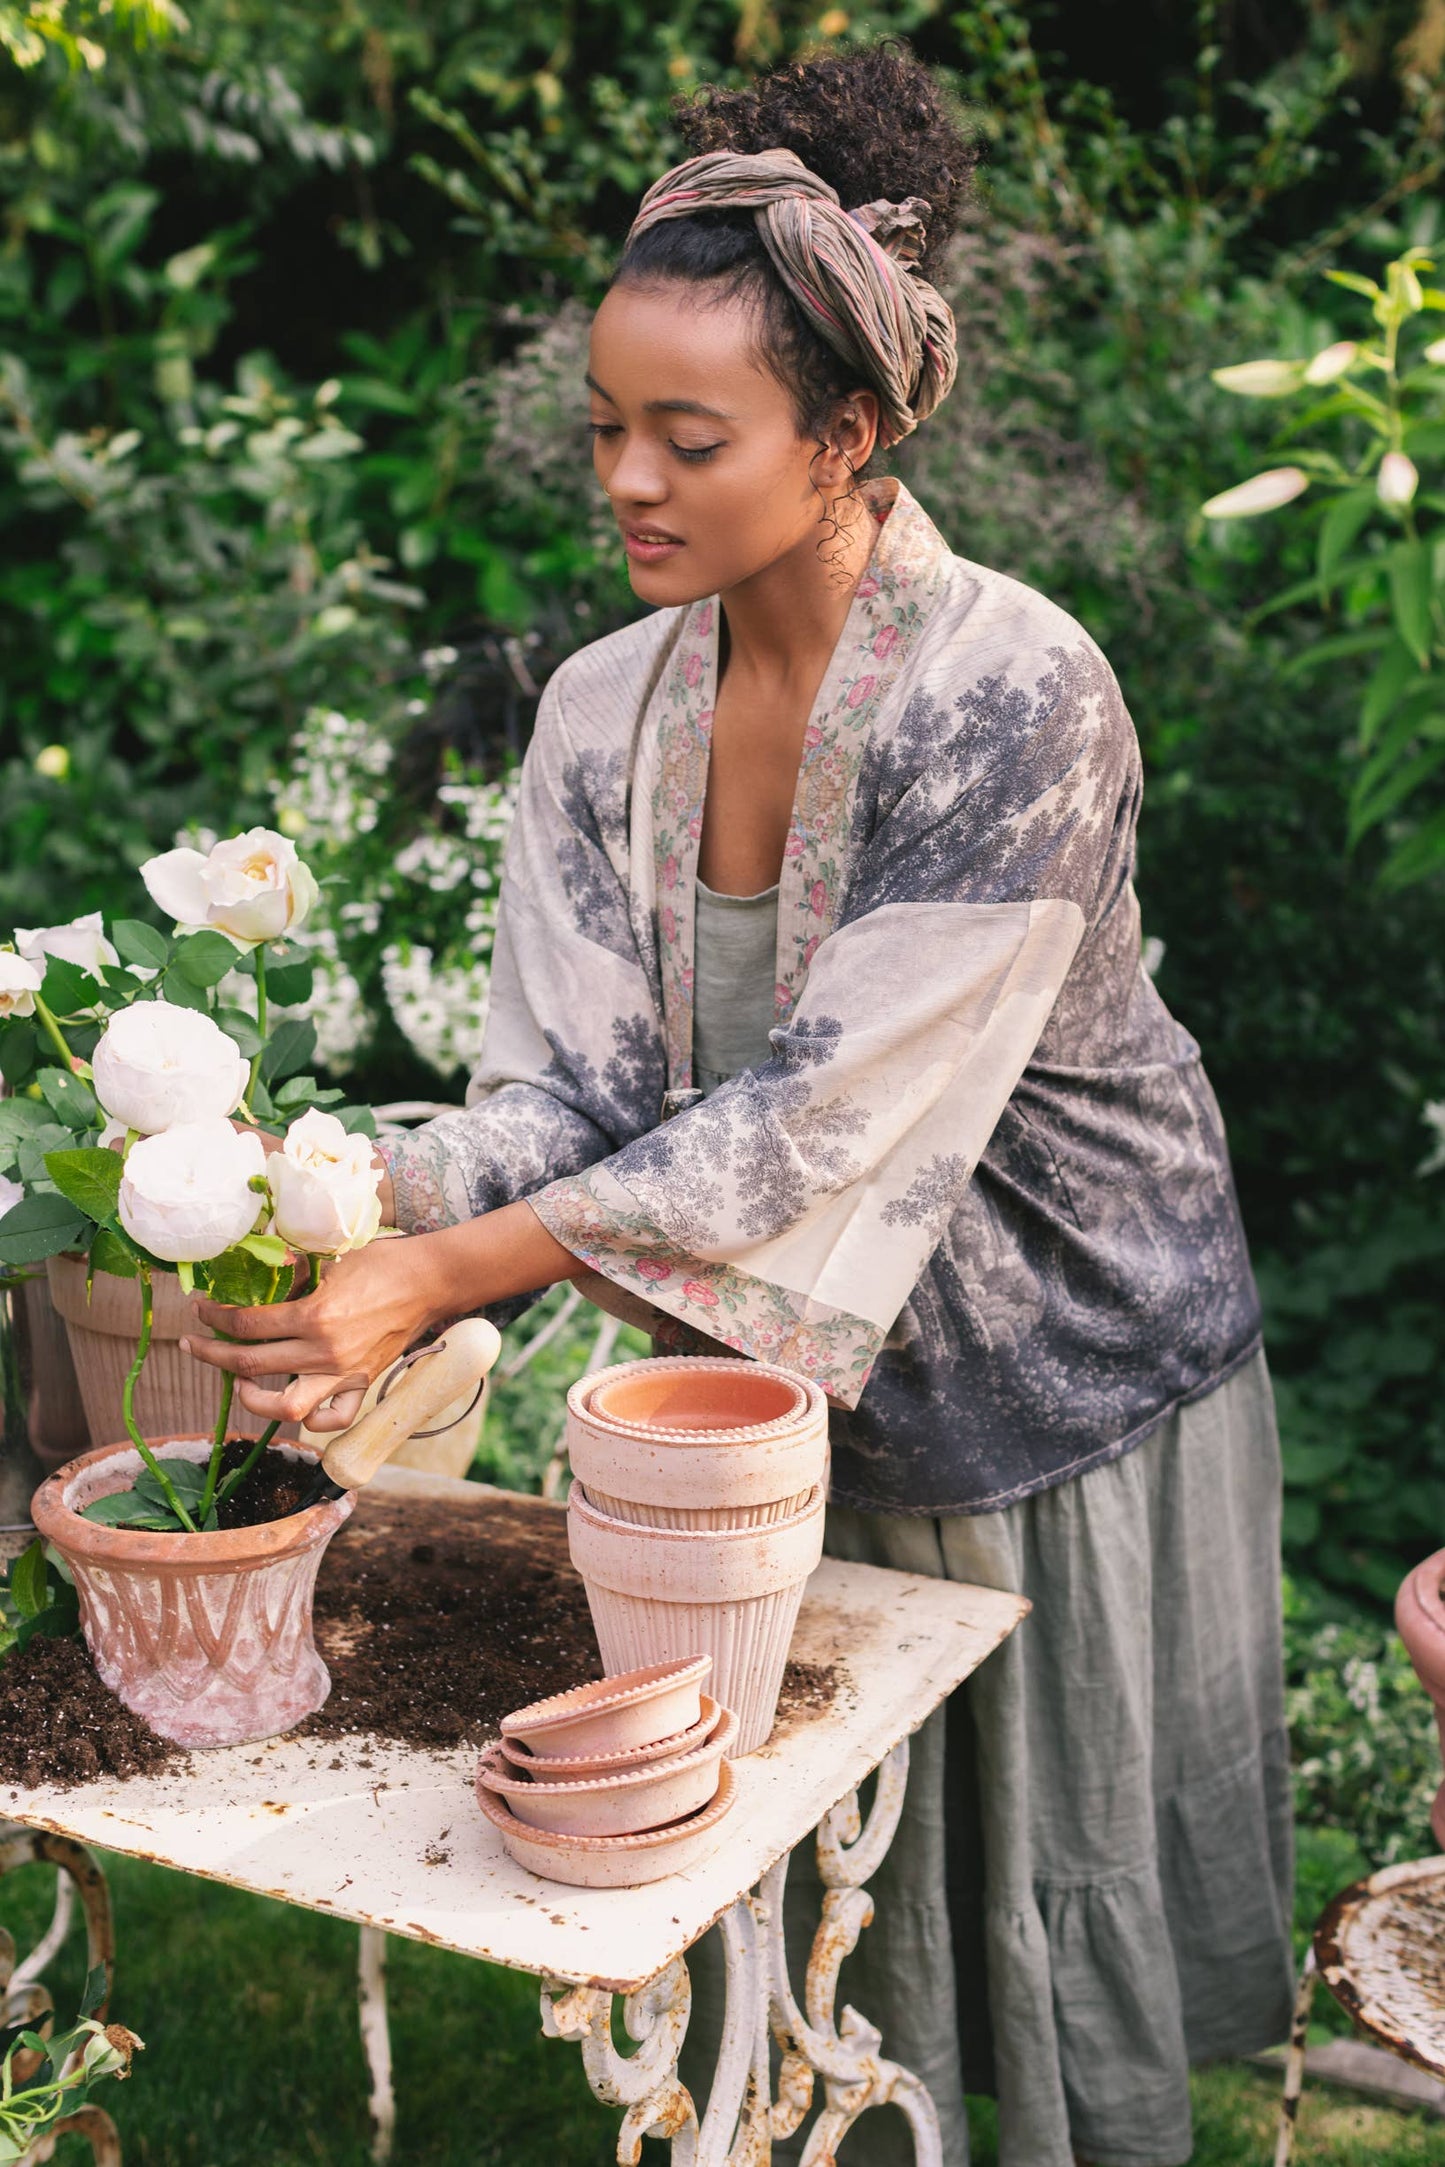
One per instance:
(55,1412)
(176,1395)
(208,1637)
(1420,1616)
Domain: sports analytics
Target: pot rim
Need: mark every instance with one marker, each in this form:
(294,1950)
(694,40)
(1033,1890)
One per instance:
(649,1839)
(227,1549)
(809,1409)
(630,1689)
(494,1770)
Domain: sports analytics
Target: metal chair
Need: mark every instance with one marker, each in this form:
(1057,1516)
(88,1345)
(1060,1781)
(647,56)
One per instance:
(1380,1949)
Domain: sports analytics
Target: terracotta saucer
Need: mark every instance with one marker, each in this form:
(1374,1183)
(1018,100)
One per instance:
(574,1768)
(610,1715)
(613,1862)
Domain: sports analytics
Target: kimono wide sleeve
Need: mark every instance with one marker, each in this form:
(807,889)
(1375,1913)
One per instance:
(572,1062)
(791,1214)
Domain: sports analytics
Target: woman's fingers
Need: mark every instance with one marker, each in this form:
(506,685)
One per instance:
(276,1320)
(339,1411)
(321,1402)
(267,1361)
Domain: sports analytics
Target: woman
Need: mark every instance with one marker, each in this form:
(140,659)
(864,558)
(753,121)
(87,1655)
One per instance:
(819,1028)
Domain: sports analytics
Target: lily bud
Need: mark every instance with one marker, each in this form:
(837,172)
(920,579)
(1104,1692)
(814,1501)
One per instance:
(1397,481)
(1261,493)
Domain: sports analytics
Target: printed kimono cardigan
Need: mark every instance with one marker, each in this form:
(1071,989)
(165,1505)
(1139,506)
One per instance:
(980,1191)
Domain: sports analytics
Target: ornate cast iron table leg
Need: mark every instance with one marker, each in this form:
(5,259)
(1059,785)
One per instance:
(376,2039)
(24,1999)
(741,2119)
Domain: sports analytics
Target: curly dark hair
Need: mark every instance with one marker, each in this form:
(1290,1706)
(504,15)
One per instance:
(872,123)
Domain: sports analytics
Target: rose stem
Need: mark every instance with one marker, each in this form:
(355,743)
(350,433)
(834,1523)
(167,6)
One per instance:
(53,1032)
(260,955)
(218,1443)
(238,1475)
(127,1405)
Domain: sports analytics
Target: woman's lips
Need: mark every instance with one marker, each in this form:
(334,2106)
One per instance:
(649,549)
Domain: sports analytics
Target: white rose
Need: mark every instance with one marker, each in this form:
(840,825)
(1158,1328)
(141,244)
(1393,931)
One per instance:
(10,1194)
(253,887)
(324,1187)
(156,1066)
(19,984)
(83,942)
(186,1195)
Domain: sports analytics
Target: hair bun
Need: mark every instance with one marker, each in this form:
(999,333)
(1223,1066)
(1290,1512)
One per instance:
(874,124)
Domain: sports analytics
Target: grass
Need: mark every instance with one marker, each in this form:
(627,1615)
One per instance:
(253,2059)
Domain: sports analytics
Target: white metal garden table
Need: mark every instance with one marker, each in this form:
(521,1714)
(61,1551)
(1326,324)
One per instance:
(389,1836)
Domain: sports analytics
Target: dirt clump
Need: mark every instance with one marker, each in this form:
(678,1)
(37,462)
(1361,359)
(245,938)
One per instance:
(59,1725)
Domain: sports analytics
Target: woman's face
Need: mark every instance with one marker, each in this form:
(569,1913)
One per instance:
(697,445)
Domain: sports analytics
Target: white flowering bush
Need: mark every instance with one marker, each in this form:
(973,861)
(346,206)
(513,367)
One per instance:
(1362,1732)
(1363,430)
(401,934)
(143,1069)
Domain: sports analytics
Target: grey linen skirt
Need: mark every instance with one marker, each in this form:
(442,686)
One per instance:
(1090,1886)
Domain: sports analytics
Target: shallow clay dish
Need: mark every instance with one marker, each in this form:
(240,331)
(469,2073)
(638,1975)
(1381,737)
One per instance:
(622,1805)
(612,1714)
(574,1768)
(699,1396)
(613,1862)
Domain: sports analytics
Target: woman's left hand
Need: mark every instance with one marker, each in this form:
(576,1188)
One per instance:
(369,1308)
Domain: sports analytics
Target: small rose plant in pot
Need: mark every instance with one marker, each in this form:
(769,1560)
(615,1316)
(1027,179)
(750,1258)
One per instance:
(144,1072)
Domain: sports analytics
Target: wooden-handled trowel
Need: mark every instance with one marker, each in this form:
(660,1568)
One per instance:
(422,1385)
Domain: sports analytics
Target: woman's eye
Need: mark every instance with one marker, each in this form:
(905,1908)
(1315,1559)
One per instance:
(696,453)
(603,428)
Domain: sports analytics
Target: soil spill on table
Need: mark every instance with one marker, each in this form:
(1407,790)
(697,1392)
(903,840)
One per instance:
(433,1622)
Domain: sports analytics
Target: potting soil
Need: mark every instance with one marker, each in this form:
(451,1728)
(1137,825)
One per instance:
(60,1725)
(433,1623)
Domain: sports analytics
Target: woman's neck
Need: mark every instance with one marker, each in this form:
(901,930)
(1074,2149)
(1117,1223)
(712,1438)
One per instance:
(784,622)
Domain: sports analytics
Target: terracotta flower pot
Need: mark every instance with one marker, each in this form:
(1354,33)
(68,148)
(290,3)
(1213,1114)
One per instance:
(208,1637)
(54,1410)
(731,1593)
(1420,1617)
(176,1397)
(697,1443)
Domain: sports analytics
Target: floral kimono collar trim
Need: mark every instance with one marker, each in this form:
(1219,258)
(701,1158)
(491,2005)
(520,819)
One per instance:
(890,607)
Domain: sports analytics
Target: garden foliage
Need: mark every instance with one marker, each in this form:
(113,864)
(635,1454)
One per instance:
(293,494)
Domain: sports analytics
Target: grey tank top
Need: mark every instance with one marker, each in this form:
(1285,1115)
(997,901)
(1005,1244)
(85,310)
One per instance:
(732,1011)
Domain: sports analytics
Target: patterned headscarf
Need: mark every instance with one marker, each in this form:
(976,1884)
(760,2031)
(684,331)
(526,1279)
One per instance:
(853,273)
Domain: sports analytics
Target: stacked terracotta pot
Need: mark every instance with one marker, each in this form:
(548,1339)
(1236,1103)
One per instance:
(615,1783)
(696,1517)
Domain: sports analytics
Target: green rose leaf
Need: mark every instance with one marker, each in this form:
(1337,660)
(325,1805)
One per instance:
(238,1025)
(32,1154)
(28,1580)
(289,984)
(183,992)
(125,1508)
(19,1052)
(137,942)
(357,1120)
(113,1252)
(67,989)
(203,959)
(292,1045)
(238,1278)
(71,1101)
(20,1118)
(39,1227)
(90,1178)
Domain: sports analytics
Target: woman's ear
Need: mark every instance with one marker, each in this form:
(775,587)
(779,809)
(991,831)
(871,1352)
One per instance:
(852,434)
